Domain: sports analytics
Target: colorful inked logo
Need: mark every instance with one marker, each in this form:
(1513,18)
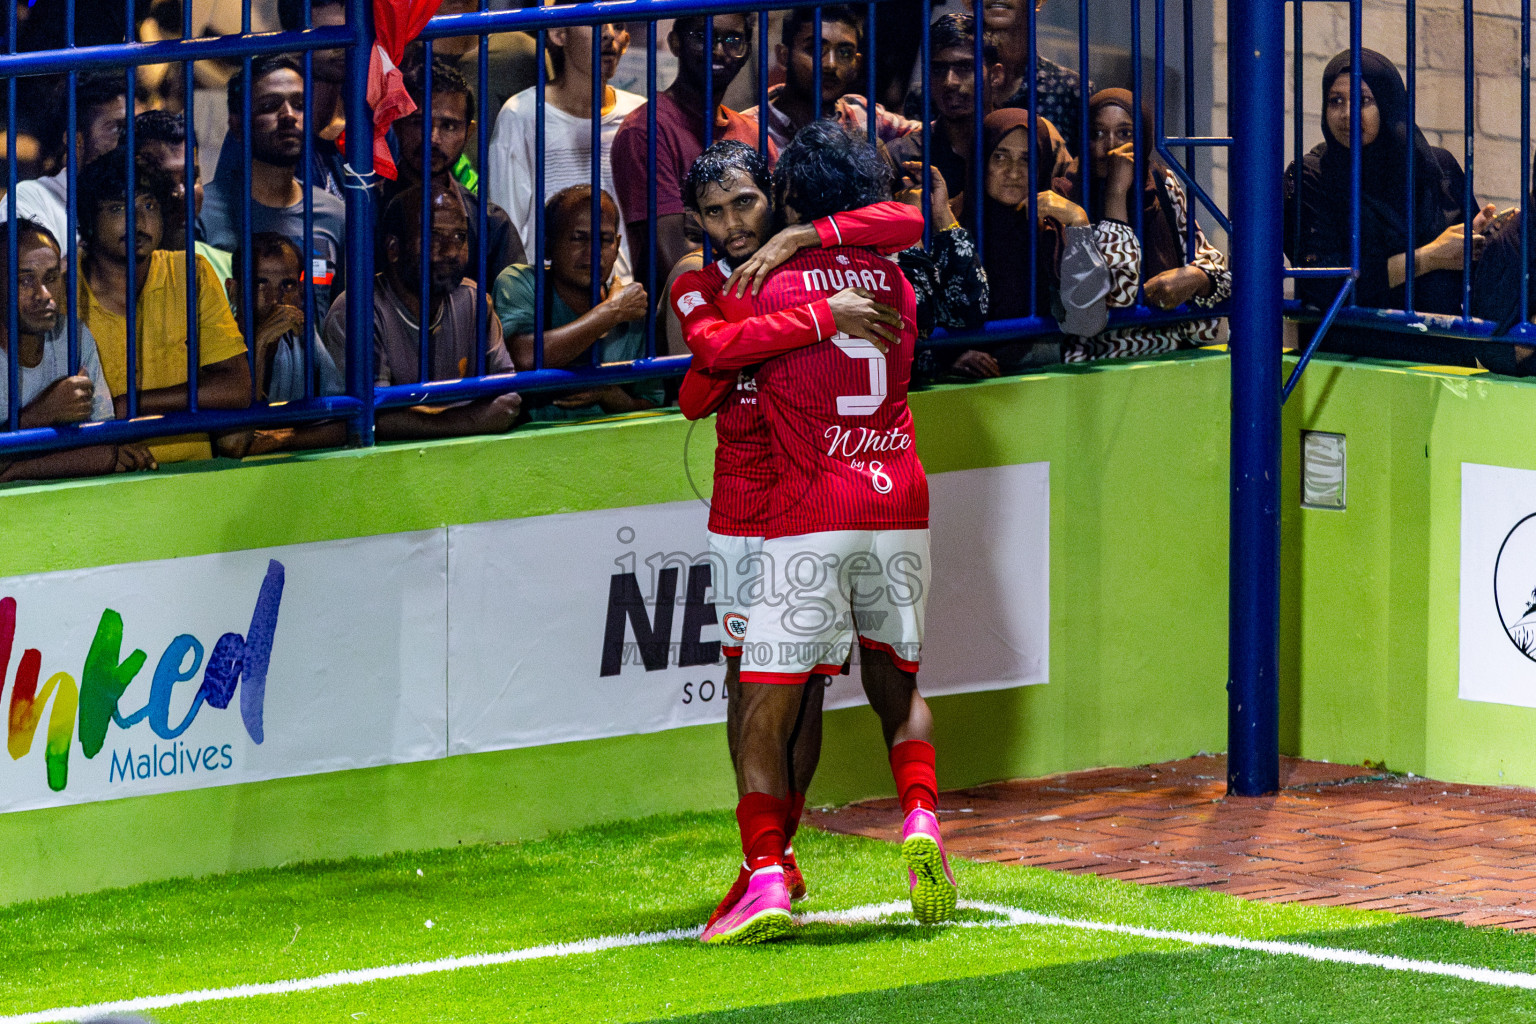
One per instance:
(93,702)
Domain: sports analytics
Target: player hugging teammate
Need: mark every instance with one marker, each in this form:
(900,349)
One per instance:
(803,344)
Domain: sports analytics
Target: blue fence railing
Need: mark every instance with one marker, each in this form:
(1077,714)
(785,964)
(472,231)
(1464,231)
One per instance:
(146,412)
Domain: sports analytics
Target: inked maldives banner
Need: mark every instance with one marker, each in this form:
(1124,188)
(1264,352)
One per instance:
(216,669)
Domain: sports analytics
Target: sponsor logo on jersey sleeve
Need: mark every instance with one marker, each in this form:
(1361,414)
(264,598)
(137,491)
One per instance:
(690,302)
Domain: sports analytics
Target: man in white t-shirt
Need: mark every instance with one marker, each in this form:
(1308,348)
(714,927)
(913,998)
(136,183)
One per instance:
(512,162)
(50,395)
(101,107)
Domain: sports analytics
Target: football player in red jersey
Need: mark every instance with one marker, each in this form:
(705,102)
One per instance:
(847,513)
(729,188)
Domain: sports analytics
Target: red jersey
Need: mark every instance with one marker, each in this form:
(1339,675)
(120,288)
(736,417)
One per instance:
(729,337)
(844,451)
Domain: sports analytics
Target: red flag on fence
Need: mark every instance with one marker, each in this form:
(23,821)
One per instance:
(395,23)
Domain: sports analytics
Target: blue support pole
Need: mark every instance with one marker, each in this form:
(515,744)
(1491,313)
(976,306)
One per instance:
(359,175)
(1257,89)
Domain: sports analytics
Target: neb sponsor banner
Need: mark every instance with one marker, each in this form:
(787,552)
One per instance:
(224,668)
(591,624)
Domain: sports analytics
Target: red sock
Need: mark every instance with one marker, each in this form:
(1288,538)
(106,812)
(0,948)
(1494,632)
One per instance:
(761,818)
(916,782)
(792,819)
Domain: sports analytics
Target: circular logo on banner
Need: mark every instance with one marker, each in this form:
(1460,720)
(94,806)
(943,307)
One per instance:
(735,625)
(1514,586)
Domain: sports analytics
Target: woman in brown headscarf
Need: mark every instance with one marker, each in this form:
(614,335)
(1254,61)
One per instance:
(1068,278)
(1170,279)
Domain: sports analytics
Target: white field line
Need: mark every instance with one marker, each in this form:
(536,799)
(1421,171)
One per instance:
(1007,917)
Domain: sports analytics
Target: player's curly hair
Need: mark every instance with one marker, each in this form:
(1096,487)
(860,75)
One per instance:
(721,159)
(106,179)
(827,170)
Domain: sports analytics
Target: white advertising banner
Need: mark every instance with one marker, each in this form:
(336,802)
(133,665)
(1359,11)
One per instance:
(1498,585)
(225,668)
(590,624)
(218,669)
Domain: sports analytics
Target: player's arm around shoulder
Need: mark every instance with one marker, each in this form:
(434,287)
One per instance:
(887,227)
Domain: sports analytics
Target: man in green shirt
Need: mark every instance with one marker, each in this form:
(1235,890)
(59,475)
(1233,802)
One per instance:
(573,325)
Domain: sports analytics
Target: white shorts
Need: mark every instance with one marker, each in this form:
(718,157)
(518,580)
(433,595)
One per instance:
(733,561)
(829,588)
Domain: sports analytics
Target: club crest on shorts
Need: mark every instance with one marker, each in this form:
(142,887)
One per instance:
(735,625)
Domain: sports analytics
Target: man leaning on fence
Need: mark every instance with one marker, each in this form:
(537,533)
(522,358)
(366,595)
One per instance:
(115,272)
(276,194)
(574,325)
(101,111)
(453,122)
(453,321)
(52,396)
(792,105)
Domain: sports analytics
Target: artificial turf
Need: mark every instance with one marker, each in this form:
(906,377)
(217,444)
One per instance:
(666,872)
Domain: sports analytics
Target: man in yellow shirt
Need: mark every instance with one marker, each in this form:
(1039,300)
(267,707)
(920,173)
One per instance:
(111,269)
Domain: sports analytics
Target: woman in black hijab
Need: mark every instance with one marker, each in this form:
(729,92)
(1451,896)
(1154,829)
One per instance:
(1321,186)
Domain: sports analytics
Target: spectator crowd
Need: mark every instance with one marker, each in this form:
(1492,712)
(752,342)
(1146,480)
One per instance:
(1045,223)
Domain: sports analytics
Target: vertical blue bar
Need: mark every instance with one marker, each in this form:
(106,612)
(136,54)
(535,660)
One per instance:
(927,183)
(599,93)
(424,291)
(650,189)
(70,245)
(869,71)
(709,93)
(1032,80)
(359,174)
(247,268)
(307,161)
(538,204)
(816,56)
(1408,153)
(709,114)
(12,270)
(482,227)
(976,185)
(762,82)
(1355,155)
(1468,209)
(131,305)
(189,217)
(1525,161)
(1084,129)
(1257,64)
(1191,154)
(1298,79)
(1138,158)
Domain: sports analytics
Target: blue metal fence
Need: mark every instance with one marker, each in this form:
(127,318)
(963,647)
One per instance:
(362,399)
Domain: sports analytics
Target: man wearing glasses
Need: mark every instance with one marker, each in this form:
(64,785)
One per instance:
(793,105)
(680,137)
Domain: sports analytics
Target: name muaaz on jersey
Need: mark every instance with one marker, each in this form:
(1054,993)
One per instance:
(834,280)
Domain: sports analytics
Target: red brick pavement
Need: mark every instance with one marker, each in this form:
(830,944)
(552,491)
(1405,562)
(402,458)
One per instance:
(1336,835)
